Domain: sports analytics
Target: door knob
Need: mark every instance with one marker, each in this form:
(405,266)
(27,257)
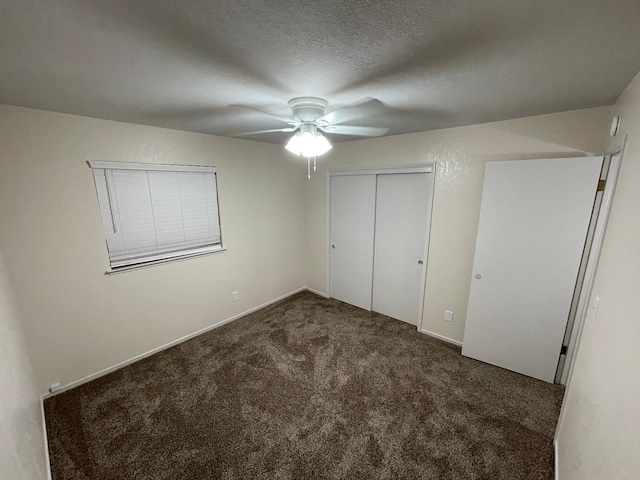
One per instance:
(420,262)
(333,246)
(478,276)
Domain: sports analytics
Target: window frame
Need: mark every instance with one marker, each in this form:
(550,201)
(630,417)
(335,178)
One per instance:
(165,257)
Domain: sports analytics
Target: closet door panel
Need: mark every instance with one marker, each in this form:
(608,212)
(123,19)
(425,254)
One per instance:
(402,212)
(352,213)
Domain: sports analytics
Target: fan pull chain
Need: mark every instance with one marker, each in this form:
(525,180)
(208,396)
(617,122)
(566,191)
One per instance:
(309,168)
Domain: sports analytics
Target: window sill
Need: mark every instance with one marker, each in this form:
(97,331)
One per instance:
(154,263)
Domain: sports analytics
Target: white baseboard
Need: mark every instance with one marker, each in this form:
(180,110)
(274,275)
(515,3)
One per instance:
(317,292)
(556,462)
(440,337)
(45,439)
(120,365)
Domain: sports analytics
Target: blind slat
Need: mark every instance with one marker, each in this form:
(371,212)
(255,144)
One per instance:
(167,207)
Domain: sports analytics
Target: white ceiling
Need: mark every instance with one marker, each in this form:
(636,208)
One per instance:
(191,65)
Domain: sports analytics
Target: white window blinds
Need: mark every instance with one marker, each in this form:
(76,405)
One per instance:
(157,212)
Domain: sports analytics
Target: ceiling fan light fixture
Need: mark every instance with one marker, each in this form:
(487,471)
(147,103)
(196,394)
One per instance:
(308,143)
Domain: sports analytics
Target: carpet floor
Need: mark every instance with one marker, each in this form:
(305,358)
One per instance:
(306,388)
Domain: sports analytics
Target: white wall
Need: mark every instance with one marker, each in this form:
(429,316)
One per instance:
(460,154)
(599,434)
(22,454)
(77,320)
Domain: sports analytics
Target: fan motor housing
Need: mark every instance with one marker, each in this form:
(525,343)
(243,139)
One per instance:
(307,109)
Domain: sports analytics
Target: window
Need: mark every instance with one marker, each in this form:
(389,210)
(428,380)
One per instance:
(152,213)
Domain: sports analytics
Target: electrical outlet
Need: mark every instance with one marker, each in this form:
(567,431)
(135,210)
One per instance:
(235,296)
(448,315)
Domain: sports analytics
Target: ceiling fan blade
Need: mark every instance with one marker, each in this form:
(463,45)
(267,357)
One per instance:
(358,131)
(355,112)
(291,129)
(280,118)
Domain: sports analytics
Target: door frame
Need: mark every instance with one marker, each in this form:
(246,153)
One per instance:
(384,170)
(614,157)
(594,257)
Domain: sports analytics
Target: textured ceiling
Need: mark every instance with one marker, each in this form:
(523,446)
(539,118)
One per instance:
(193,65)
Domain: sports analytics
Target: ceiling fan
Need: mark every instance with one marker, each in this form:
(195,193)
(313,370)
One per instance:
(309,121)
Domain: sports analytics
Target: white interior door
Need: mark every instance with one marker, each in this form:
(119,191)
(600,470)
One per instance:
(352,213)
(533,223)
(402,212)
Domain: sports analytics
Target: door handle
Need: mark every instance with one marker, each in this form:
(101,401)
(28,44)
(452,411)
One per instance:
(478,276)
(420,262)
(333,246)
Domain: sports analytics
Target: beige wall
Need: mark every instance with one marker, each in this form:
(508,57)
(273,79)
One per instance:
(22,454)
(460,155)
(79,321)
(599,434)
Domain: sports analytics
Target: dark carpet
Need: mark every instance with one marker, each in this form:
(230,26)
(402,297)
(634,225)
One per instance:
(306,388)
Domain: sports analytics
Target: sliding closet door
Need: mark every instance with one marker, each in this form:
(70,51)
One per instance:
(533,224)
(402,212)
(353,200)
